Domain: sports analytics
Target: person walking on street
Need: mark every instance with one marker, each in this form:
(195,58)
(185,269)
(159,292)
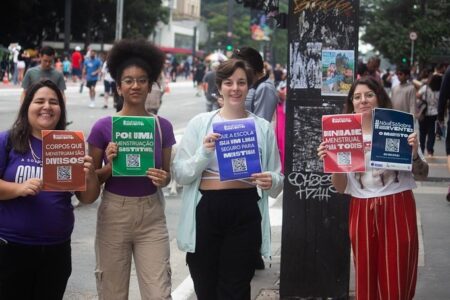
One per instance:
(404,94)
(36,225)
(109,83)
(92,68)
(262,98)
(429,93)
(444,97)
(131,220)
(43,71)
(210,88)
(382,221)
(225,224)
(77,60)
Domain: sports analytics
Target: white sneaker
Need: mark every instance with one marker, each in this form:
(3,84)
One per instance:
(92,104)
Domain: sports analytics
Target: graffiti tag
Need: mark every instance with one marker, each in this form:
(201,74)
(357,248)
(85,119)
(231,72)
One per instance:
(343,6)
(312,186)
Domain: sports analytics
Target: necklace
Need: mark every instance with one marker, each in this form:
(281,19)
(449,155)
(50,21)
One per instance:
(225,119)
(36,158)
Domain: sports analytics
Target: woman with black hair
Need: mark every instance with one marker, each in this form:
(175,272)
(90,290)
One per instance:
(131,220)
(429,94)
(35,225)
(382,217)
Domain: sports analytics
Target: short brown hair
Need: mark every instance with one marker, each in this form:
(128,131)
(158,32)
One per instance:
(227,68)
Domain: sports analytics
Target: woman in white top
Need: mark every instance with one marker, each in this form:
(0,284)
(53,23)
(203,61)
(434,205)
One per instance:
(383,229)
(429,93)
(224,224)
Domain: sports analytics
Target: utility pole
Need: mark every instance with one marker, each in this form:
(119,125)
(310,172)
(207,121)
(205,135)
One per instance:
(67,21)
(119,19)
(194,42)
(230,22)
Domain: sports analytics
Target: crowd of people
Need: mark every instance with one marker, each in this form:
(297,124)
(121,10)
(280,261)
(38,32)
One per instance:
(224,226)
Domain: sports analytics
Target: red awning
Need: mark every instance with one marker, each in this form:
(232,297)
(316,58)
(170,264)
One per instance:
(198,53)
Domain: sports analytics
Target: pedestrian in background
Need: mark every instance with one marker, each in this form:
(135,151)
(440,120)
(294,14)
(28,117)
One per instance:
(67,66)
(210,88)
(36,225)
(382,221)
(131,220)
(109,84)
(44,70)
(77,61)
(429,93)
(404,95)
(225,224)
(262,98)
(92,68)
(444,96)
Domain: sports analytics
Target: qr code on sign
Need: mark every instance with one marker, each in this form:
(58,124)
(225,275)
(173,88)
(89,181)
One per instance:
(63,173)
(392,145)
(133,160)
(344,158)
(239,164)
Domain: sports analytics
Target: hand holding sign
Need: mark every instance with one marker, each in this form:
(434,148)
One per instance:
(209,142)
(159,177)
(31,187)
(111,151)
(262,180)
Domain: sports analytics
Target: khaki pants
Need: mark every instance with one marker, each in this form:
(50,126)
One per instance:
(132,226)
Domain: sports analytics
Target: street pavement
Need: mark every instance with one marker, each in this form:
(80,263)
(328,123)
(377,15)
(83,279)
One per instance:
(179,106)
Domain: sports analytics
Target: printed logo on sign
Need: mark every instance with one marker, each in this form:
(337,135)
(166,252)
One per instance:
(64,173)
(392,145)
(344,158)
(239,164)
(133,160)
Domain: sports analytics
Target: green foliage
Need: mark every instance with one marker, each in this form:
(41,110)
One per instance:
(388,24)
(215,14)
(31,22)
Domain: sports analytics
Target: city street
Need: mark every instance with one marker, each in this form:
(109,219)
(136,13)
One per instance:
(179,107)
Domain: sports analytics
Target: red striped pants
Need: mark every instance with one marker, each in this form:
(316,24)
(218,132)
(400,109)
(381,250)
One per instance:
(383,233)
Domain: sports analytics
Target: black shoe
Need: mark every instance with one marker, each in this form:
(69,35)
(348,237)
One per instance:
(259,264)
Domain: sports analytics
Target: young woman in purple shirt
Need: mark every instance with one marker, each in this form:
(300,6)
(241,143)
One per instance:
(35,225)
(131,219)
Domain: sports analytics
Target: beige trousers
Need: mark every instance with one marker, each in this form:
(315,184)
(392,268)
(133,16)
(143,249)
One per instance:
(129,226)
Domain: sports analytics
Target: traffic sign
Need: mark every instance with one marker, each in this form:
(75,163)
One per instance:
(412,36)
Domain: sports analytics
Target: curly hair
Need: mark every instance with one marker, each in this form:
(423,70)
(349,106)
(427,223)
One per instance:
(135,52)
(21,130)
(382,97)
(227,68)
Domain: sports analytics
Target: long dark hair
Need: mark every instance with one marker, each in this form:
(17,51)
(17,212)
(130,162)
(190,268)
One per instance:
(20,132)
(383,99)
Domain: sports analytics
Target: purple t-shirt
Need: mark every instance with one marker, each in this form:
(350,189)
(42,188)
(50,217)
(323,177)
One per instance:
(101,135)
(44,219)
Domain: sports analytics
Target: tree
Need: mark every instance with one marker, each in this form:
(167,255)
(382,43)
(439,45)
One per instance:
(31,22)
(214,12)
(388,24)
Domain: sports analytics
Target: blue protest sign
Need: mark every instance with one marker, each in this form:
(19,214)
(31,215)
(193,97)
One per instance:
(237,149)
(390,148)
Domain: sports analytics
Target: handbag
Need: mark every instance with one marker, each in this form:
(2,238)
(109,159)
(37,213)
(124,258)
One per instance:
(421,106)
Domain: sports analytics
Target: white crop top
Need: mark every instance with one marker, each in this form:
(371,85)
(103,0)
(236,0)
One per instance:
(377,182)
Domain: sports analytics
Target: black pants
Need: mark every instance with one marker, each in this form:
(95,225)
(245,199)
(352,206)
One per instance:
(34,272)
(427,133)
(228,226)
